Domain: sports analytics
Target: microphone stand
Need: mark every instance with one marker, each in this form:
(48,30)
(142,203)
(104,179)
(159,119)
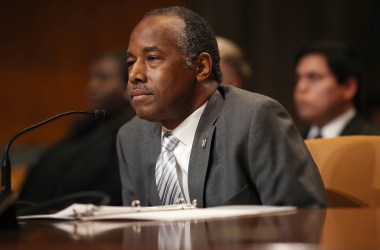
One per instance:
(6,194)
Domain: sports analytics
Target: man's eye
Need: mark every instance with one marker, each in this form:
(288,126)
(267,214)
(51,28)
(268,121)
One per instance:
(315,77)
(152,58)
(130,63)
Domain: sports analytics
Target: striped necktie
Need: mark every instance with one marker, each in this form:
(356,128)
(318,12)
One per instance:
(166,172)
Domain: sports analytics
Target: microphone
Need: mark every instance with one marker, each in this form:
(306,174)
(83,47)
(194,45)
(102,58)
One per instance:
(6,164)
(98,114)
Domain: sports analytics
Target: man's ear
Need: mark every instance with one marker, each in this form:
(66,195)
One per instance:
(204,66)
(351,88)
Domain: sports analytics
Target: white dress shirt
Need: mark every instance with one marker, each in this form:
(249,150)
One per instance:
(185,133)
(335,127)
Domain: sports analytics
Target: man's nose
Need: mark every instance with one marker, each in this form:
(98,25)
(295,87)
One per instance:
(137,72)
(301,85)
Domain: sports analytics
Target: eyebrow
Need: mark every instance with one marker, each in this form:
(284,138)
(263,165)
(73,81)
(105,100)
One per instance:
(150,49)
(146,50)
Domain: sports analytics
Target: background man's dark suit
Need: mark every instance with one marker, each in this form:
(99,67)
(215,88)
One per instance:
(253,155)
(356,126)
(85,161)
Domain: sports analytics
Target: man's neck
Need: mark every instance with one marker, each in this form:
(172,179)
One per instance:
(332,116)
(204,92)
(334,127)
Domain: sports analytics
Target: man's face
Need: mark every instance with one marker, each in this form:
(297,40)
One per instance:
(318,96)
(106,87)
(230,76)
(160,88)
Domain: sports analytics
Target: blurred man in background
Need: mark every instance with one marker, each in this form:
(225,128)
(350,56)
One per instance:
(329,90)
(235,69)
(86,159)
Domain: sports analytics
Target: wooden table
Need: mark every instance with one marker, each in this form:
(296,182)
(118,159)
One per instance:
(303,229)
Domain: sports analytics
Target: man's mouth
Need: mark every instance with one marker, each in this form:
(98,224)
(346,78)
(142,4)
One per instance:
(139,93)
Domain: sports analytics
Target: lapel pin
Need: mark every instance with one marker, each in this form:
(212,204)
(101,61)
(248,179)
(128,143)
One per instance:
(204,143)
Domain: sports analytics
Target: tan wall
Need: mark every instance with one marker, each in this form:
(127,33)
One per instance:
(46,47)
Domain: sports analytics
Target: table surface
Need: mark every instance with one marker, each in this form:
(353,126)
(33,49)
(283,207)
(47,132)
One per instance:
(357,228)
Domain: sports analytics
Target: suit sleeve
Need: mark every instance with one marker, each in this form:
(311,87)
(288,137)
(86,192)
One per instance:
(279,162)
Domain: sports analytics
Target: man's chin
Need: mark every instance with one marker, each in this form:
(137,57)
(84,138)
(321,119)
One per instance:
(308,119)
(146,115)
(305,116)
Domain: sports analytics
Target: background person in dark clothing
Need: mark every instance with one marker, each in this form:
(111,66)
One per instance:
(330,91)
(86,160)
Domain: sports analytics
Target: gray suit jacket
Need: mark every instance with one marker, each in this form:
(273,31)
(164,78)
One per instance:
(254,155)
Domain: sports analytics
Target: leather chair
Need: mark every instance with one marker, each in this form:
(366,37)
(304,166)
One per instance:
(350,169)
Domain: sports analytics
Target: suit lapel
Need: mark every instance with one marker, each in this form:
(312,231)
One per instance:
(151,149)
(304,131)
(352,126)
(200,152)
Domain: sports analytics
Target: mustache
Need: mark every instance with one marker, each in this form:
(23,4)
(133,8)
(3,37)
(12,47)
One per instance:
(140,88)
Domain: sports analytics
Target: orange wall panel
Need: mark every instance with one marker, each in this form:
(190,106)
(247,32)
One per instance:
(46,47)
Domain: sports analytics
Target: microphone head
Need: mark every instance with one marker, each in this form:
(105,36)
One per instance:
(99,114)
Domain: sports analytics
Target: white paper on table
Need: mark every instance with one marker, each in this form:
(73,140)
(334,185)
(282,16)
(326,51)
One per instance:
(199,213)
(129,213)
(65,214)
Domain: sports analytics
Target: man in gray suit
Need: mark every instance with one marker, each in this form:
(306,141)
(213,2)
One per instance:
(195,140)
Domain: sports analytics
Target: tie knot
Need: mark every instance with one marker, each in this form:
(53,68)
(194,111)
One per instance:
(169,141)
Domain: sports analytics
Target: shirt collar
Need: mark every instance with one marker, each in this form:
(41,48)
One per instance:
(185,131)
(335,127)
